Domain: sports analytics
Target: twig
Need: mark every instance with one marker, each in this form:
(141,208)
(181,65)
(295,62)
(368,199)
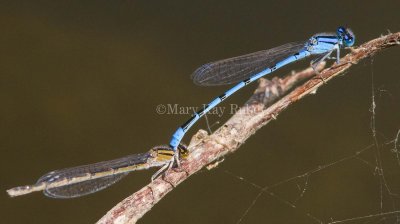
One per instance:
(206,149)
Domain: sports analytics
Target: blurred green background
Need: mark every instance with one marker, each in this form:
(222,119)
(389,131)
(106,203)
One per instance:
(80,82)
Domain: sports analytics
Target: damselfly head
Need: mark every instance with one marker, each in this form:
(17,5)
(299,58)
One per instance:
(346,35)
(183,151)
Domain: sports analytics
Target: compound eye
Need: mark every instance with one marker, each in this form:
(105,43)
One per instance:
(348,41)
(341,30)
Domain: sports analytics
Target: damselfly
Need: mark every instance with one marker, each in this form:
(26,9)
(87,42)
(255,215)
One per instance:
(82,180)
(250,67)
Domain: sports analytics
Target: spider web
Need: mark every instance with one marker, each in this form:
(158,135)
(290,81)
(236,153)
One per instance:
(384,165)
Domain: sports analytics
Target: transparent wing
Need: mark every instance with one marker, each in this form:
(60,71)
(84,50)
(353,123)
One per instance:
(86,179)
(236,69)
(83,188)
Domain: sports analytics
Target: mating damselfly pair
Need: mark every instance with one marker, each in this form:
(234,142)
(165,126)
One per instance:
(86,179)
